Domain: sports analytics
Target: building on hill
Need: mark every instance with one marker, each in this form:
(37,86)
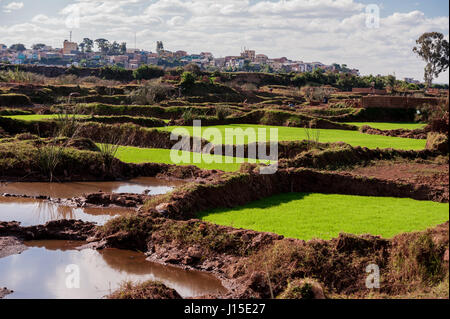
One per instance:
(249,55)
(69,47)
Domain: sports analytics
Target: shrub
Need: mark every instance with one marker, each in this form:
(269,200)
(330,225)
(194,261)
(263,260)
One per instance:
(193,68)
(148,72)
(187,80)
(439,118)
(437,142)
(249,87)
(116,73)
(222,112)
(108,147)
(188,115)
(21,77)
(48,158)
(145,290)
(151,92)
(13,99)
(303,289)
(312,134)
(316,94)
(67,125)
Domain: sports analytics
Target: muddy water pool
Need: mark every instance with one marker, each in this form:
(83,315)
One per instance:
(57,270)
(35,211)
(150,185)
(30,212)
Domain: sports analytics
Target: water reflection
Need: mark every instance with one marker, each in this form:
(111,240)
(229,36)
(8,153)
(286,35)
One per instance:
(36,212)
(40,272)
(154,186)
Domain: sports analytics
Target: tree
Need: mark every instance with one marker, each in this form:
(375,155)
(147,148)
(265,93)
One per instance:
(88,43)
(82,46)
(434,50)
(103,45)
(114,48)
(187,80)
(18,47)
(38,46)
(123,48)
(193,68)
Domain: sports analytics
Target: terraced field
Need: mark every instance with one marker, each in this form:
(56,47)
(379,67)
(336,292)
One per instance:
(353,138)
(155,155)
(308,216)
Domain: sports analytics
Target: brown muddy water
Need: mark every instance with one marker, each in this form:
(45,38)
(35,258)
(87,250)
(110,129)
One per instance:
(35,212)
(154,186)
(31,212)
(49,270)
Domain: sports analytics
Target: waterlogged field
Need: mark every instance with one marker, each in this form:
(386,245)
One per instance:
(138,155)
(390,126)
(353,138)
(308,216)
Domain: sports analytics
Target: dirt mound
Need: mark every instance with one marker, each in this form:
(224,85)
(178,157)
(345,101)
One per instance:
(343,155)
(434,175)
(111,199)
(83,144)
(145,290)
(60,230)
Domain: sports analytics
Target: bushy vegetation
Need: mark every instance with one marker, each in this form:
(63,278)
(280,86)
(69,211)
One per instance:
(145,290)
(150,93)
(148,72)
(14,99)
(116,73)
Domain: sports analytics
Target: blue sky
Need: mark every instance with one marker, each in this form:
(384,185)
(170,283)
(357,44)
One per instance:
(308,30)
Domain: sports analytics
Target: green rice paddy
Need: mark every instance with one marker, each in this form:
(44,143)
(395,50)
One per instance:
(353,138)
(137,155)
(307,216)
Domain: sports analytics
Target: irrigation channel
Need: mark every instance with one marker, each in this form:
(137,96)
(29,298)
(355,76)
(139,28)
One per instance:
(41,269)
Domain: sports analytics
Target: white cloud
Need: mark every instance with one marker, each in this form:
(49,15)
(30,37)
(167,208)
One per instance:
(12,6)
(320,30)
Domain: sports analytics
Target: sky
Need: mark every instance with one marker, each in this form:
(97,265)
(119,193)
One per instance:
(328,31)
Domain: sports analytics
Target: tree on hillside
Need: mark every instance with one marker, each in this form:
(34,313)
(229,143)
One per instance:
(88,44)
(18,47)
(114,48)
(103,45)
(82,46)
(123,48)
(38,46)
(434,50)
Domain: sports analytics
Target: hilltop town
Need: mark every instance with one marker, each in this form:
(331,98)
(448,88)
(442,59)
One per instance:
(114,53)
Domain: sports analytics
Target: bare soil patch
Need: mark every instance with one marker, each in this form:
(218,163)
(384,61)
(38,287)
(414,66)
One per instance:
(433,175)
